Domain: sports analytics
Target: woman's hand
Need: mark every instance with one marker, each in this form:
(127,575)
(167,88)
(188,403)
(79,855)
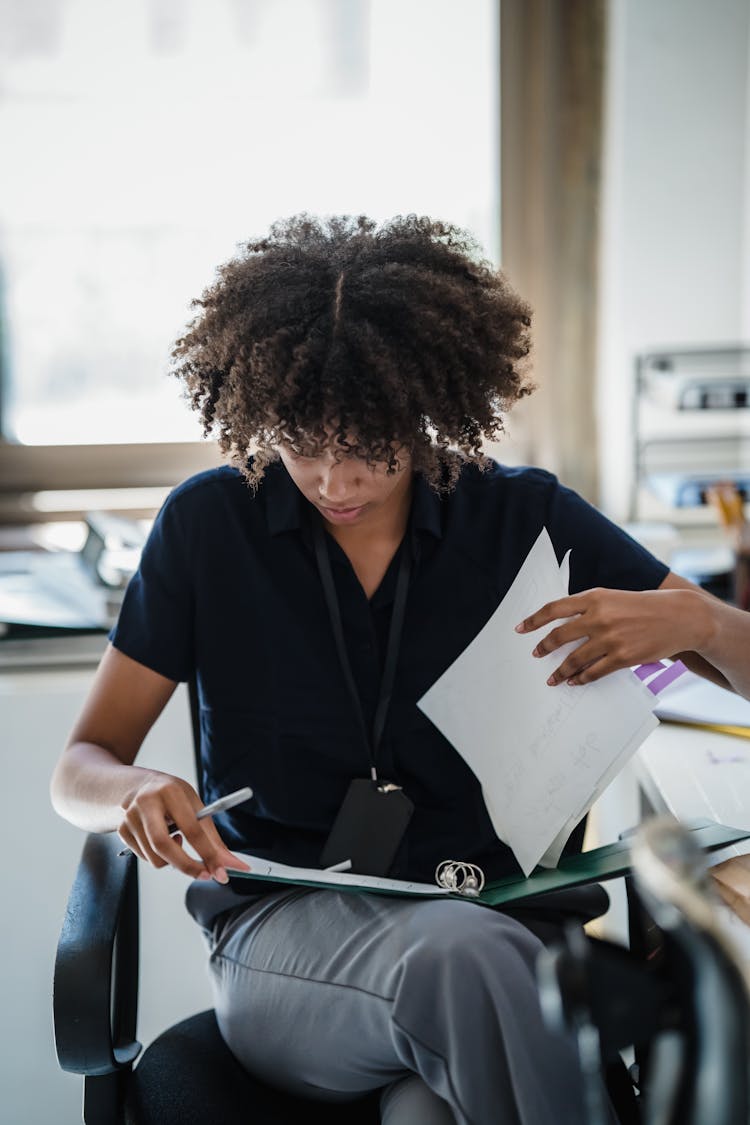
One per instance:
(732,881)
(160,800)
(620,628)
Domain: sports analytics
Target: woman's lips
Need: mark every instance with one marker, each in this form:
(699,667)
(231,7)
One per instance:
(341,515)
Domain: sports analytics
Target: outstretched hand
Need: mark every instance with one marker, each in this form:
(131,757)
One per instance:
(162,801)
(731,879)
(618,629)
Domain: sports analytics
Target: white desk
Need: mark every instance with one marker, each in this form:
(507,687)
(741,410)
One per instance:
(692,772)
(695,773)
(38,706)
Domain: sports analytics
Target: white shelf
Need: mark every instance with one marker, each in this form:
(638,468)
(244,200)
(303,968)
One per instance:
(678,452)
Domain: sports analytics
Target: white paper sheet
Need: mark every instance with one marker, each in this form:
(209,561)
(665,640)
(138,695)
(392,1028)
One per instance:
(542,754)
(267,869)
(53,589)
(692,699)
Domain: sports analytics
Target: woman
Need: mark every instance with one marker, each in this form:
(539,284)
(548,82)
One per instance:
(365,365)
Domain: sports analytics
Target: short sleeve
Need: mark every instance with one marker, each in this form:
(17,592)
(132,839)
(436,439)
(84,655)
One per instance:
(602,554)
(155,625)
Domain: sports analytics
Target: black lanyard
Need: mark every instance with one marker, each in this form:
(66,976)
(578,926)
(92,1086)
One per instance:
(372,739)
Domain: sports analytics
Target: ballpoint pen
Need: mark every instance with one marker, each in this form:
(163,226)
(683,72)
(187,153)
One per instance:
(223,803)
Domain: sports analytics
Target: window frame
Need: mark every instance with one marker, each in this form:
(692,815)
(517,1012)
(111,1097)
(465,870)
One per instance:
(29,469)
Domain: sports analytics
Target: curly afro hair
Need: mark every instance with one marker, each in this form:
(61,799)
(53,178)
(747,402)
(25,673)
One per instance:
(376,337)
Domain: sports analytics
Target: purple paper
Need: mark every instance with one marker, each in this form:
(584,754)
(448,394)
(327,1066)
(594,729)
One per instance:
(643,671)
(665,678)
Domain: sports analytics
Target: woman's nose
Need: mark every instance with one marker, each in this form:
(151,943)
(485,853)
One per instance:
(335,483)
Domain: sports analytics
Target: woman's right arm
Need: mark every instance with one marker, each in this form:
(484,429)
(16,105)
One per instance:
(97,787)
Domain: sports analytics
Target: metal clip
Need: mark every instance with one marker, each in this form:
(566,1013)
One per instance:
(459,877)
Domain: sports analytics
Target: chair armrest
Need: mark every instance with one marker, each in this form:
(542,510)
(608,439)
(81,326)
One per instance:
(95,996)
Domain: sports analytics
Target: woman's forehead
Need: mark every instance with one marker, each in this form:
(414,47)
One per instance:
(327,435)
(327,440)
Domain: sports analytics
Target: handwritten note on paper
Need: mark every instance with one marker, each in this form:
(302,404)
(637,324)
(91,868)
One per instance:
(542,754)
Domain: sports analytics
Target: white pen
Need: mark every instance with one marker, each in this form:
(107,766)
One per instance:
(345,865)
(237,798)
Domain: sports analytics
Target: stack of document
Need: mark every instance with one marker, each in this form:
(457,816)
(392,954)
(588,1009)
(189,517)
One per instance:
(542,754)
(691,699)
(50,590)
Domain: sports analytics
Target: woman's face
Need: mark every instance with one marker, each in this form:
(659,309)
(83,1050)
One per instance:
(345,489)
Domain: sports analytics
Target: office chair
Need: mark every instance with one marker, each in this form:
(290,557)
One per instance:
(187,1075)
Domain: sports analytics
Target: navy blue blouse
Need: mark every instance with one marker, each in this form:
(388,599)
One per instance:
(228,589)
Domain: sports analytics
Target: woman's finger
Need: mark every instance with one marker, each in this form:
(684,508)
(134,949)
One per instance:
(573,630)
(223,854)
(596,670)
(576,662)
(553,611)
(164,846)
(130,841)
(204,838)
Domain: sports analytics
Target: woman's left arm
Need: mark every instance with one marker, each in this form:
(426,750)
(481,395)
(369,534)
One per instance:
(621,628)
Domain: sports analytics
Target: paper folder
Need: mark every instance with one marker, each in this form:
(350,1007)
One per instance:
(595,866)
(600,864)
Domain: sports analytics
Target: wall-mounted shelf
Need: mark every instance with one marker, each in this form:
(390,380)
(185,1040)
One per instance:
(691,429)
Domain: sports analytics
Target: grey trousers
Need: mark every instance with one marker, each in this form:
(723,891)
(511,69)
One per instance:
(329,995)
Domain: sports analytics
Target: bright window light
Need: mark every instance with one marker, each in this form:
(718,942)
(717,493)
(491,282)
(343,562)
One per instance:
(144,141)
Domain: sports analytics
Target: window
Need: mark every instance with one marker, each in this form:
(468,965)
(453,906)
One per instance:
(143,141)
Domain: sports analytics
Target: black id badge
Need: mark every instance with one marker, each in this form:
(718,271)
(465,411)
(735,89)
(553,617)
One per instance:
(369,827)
